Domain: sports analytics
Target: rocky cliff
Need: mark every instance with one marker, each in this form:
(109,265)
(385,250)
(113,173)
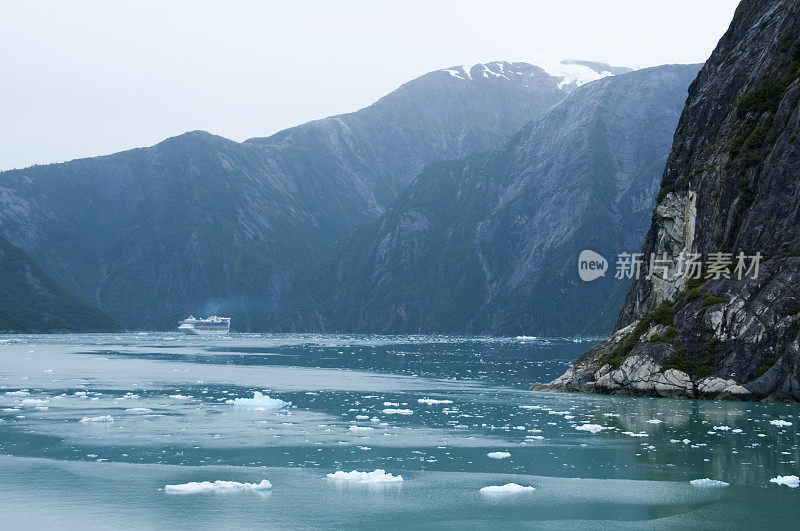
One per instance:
(730,186)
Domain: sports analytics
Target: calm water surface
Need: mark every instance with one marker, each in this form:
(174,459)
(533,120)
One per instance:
(92,428)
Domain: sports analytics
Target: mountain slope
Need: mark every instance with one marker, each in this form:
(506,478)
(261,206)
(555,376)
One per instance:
(731,186)
(488,244)
(199,223)
(31,301)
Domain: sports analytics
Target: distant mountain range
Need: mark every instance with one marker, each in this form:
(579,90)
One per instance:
(488,244)
(199,223)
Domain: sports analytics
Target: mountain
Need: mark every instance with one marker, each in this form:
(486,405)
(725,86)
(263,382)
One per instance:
(199,223)
(488,244)
(730,186)
(31,301)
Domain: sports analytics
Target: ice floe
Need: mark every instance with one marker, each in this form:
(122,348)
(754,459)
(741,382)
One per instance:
(780,423)
(194,487)
(706,482)
(393,411)
(591,428)
(261,402)
(376,476)
(499,455)
(508,488)
(790,481)
(433,401)
(101,418)
(139,410)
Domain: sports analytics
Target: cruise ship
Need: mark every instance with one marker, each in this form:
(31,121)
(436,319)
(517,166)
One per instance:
(213,325)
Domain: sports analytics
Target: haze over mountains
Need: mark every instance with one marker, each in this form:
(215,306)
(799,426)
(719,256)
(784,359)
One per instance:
(199,223)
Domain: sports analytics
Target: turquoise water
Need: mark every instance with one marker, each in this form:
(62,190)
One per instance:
(355,405)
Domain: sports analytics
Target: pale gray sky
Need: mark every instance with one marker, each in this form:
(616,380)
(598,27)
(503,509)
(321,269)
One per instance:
(83,78)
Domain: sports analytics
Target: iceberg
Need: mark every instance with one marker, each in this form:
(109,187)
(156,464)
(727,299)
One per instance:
(780,423)
(508,488)
(139,410)
(102,418)
(592,428)
(376,476)
(392,411)
(706,482)
(433,401)
(360,428)
(790,481)
(499,455)
(194,487)
(260,402)
(655,421)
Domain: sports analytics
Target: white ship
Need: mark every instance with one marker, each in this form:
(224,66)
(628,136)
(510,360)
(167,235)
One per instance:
(213,325)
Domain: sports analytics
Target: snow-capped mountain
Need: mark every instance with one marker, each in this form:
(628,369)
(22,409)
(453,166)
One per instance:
(569,74)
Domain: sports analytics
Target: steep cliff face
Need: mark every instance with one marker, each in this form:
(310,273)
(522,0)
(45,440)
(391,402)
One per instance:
(731,185)
(488,244)
(31,301)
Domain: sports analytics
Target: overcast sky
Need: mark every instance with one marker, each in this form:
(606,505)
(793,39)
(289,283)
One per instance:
(80,78)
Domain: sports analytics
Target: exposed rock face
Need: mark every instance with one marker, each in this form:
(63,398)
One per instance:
(488,244)
(731,185)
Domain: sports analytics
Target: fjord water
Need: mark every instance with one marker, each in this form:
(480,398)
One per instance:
(359,403)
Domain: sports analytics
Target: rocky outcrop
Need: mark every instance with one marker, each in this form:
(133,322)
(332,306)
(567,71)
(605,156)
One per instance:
(730,186)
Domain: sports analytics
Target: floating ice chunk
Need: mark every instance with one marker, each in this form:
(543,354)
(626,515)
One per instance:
(633,434)
(389,404)
(499,455)
(736,430)
(655,421)
(790,481)
(591,428)
(706,482)
(376,476)
(181,397)
(139,410)
(433,401)
(33,402)
(102,418)
(260,402)
(779,423)
(17,393)
(392,411)
(360,428)
(508,488)
(531,407)
(723,428)
(194,487)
